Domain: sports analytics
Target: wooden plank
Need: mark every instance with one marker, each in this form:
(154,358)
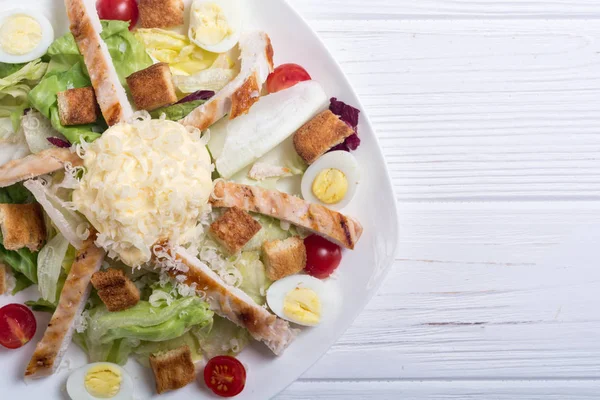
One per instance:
(479,110)
(490,291)
(421,9)
(462,390)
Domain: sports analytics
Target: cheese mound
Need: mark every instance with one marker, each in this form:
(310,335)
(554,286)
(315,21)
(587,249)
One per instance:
(145,182)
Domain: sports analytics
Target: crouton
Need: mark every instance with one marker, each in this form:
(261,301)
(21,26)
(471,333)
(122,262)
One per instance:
(3,279)
(173,369)
(22,225)
(319,135)
(77,106)
(284,257)
(115,289)
(152,88)
(161,13)
(234,229)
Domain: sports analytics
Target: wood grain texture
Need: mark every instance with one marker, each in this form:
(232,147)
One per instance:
(443,9)
(487,113)
(463,390)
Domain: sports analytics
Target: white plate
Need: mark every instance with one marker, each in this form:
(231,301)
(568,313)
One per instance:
(359,276)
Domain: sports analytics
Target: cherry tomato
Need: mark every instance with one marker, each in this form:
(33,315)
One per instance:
(17,326)
(225,376)
(286,76)
(122,10)
(322,256)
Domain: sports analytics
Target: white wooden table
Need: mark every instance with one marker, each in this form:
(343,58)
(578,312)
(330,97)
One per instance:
(489,116)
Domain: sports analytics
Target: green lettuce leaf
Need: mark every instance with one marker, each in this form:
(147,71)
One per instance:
(15,194)
(41,305)
(15,83)
(31,72)
(143,352)
(271,230)
(177,111)
(43,98)
(254,277)
(144,322)
(22,261)
(49,267)
(225,338)
(21,283)
(116,352)
(127,52)
(7,69)
(73,133)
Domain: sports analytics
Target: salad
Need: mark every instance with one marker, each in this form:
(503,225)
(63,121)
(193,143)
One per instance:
(171,193)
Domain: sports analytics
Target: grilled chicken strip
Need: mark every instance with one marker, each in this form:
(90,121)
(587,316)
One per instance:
(241,93)
(44,162)
(86,28)
(51,349)
(330,224)
(235,305)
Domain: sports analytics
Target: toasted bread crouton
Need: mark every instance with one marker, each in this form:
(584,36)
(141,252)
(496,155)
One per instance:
(22,225)
(3,279)
(115,289)
(320,134)
(284,257)
(161,13)
(77,106)
(234,229)
(152,88)
(173,369)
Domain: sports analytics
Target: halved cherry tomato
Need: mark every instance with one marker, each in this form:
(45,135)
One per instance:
(225,376)
(322,256)
(17,326)
(286,76)
(122,10)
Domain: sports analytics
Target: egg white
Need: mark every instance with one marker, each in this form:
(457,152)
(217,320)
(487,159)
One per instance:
(233,13)
(76,384)
(278,290)
(340,160)
(40,49)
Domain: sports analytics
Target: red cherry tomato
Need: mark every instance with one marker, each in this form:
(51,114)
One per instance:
(286,76)
(17,326)
(225,376)
(122,10)
(322,256)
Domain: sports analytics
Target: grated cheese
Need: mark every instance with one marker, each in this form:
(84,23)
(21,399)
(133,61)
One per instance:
(146,181)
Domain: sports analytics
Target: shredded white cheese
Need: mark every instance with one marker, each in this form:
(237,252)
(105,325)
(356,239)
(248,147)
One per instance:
(147,181)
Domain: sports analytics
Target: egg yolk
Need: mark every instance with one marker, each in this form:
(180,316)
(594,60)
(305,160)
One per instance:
(303,306)
(103,381)
(211,25)
(330,186)
(20,34)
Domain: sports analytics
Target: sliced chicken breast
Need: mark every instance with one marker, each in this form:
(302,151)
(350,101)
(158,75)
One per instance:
(235,305)
(241,93)
(330,224)
(51,349)
(86,28)
(44,162)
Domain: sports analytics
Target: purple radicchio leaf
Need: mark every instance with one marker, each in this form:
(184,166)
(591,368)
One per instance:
(199,95)
(347,113)
(350,115)
(58,142)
